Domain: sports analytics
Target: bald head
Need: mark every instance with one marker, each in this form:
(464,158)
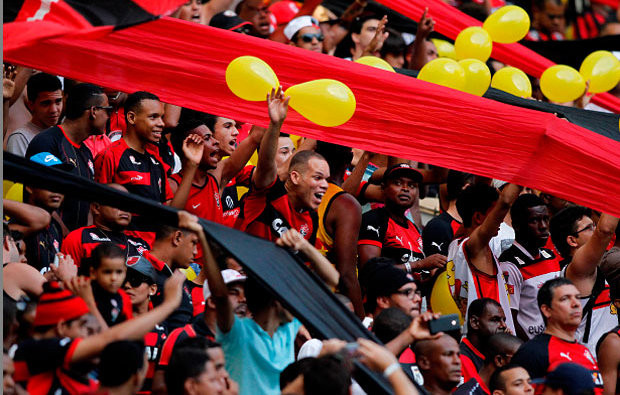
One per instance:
(500,348)
(300,160)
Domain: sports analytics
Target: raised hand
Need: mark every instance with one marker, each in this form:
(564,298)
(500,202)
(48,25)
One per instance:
(277,105)
(193,147)
(9,72)
(435,261)
(65,269)
(374,356)
(380,36)
(81,287)
(189,221)
(419,329)
(173,288)
(425,26)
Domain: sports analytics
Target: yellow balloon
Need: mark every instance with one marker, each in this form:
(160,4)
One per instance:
(441,299)
(473,43)
(513,81)
(325,102)
(562,84)
(16,192)
(477,76)
(444,48)
(602,69)
(507,25)
(444,71)
(250,78)
(374,61)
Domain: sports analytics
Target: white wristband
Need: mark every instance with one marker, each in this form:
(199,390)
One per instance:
(391,369)
(408,267)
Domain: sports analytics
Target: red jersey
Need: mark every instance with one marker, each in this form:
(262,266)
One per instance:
(153,343)
(197,328)
(267,213)
(203,201)
(81,242)
(545,352)
(232,194)
(143,174)
(401,243)
(45,366)
(471,360)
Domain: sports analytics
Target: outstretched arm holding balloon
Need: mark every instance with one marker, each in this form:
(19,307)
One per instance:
(266,169)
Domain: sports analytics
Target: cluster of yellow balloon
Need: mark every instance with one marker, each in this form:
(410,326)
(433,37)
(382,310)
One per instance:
(374,61)
(325,102)
(472,48)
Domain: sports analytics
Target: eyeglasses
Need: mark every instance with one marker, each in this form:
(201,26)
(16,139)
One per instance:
(307,38)
(107,109)
(409,292)
(592,226)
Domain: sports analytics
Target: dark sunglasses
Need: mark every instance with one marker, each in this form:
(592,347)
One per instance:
(307,38)
(135,280)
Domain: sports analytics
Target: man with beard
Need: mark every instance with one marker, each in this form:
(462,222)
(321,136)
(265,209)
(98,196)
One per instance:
(485,318)
(87,113)
(109,224)
(526,265)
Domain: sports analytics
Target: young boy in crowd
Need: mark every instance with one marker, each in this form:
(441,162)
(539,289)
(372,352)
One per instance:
(107,273)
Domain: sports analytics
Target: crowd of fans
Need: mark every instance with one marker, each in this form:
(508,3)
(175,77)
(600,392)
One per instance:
(98,300)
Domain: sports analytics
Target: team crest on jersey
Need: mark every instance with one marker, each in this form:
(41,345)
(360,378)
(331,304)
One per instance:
(115,310)
(511,289)
(613,309)
(216,196)
(97,238)
(304,230)
(229,203)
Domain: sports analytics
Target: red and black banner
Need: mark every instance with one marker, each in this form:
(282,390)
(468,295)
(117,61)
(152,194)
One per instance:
(184,63)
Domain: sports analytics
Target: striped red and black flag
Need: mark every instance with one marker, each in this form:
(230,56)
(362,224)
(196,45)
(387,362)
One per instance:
(26,21)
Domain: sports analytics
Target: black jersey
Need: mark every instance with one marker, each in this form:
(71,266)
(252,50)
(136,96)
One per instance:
(74,212)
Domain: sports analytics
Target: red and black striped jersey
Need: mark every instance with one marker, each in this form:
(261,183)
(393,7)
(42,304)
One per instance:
(81,242)
(197,328)
(204,200)
(44,365)
(545,352)
(153,343)
(268,214)
(143,174)
(401,243)
(471,360)
(232,194)
(198,300)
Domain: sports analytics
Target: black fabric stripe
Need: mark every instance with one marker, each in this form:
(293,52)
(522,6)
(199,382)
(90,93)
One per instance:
(10,10)
(286,277)
(118,13)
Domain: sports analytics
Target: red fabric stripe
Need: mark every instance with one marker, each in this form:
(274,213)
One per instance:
(540,268)
(530,148)
(370,242)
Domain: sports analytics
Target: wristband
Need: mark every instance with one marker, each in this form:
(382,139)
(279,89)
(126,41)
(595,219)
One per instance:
(408,267)
(391,369)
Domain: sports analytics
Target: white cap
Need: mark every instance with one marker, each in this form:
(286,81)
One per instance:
(229,275)
(499,184)
(299,23)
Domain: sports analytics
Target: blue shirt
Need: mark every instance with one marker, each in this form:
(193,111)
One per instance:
(254,359)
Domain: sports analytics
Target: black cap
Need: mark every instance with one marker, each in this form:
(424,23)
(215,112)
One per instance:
(228,20)
(573,379)
(382,278)
(402,169)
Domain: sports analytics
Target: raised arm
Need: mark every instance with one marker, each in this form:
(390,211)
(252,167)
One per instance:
(25,218)
(425,28)
(266,169)
(294,240)
(229,168)
(482,235)
(193,146)
(582,268)
(136,328)
(219,292)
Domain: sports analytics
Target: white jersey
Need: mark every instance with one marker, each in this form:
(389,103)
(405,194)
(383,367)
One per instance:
(602,316)
(504,239)
(524,275)
(468,283)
